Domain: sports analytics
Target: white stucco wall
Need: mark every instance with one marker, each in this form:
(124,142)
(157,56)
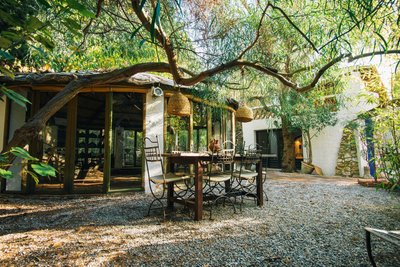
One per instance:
(249,129)
(325,146)
(17,115)
(154,127)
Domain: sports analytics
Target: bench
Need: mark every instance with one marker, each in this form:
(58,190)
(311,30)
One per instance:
(389,236)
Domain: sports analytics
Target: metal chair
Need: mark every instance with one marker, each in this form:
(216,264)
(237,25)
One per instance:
(154,162)
(218,177)
(246,174)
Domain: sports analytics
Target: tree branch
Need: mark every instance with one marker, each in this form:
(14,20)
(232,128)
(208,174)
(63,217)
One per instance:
(295,26)
(161,38)
(257,34)
(371,54)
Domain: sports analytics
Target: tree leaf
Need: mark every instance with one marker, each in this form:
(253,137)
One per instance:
(6,55)
(142,43)
(384,41)
(8,73)
(22,153)
(72,23)
(44,169)
(81,9)
(33,24)
(4,42)
(155,20)
(34,176)
(49,44)
(44,3)
(11,35)
(136,31)
(9,18)
(3,158)
(6,174)
(14,96)
(142,4)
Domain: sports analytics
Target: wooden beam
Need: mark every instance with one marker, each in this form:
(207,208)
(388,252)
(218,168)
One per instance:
(35,147)
(143,136)
(5,136)
(190,130)
(97,89)
(209,124)
(233,127)
(70,144)
(107,142)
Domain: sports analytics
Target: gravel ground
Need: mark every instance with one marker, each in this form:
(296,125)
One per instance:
(308,221)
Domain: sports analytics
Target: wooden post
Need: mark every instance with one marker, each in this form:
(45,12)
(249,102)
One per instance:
(107,142)
(5,136)
(70,146)
(198,191)
(143,136)
(165,135)
(209,124)
(233,127)
(190,130)
(35,147)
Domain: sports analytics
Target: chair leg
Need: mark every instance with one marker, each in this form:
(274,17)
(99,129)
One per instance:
(369,250)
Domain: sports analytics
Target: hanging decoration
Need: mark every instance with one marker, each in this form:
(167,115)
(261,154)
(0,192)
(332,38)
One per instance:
(178,104)
(244,114)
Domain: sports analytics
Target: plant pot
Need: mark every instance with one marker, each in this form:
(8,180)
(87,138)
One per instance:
(306,168)
(214,146)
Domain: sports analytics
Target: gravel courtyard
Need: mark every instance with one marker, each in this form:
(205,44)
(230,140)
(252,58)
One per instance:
(308,221)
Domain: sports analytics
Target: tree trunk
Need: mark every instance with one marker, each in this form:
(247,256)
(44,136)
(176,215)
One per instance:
(288,157)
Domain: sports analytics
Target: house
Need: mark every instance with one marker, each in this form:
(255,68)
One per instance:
(338,149)
(95,141)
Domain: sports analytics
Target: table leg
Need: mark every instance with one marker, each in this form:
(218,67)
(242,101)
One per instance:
(260,189)
(170,195)
(198,187)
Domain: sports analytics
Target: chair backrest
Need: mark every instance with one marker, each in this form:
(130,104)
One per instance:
(151,151)
(249,159)
(220,160)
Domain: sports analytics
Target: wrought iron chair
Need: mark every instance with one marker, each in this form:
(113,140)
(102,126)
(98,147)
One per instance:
(246,174)
(218,177)
(154,162)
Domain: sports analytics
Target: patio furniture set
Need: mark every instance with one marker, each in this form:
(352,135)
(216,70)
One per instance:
(227,176)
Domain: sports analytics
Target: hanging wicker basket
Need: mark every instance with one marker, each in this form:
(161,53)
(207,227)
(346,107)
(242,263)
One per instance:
(244,114)
(178,105)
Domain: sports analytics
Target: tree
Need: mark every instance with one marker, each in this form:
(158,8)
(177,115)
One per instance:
(168,28)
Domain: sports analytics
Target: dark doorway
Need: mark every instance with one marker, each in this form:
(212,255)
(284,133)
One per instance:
(271,142)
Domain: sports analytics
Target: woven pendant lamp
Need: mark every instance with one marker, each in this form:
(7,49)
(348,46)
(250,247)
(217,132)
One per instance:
(244,114)
(178,105)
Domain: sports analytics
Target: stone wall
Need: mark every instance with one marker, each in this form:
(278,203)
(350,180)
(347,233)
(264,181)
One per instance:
(347,163)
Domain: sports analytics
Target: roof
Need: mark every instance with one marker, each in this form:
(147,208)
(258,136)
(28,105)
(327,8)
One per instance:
(139,79)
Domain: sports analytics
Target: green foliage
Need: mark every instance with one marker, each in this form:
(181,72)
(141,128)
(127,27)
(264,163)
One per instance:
(387,143)
(14,96)
(27,162)
(43,169)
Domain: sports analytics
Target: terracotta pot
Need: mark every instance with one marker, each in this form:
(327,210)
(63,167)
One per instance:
(214,146)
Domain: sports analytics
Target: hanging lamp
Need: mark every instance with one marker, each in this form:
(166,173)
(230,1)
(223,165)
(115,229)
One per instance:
(244,114)
(178,104)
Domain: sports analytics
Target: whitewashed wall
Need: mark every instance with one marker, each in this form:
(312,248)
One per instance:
(154,122)
(325,146)
(249,129)
(17,115)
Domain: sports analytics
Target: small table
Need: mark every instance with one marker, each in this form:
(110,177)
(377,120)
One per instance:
(195,159)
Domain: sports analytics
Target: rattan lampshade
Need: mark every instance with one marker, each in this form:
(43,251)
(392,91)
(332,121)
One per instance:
(244,114)
(178,105)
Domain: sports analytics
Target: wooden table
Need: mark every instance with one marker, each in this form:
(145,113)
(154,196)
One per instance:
(195,159)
